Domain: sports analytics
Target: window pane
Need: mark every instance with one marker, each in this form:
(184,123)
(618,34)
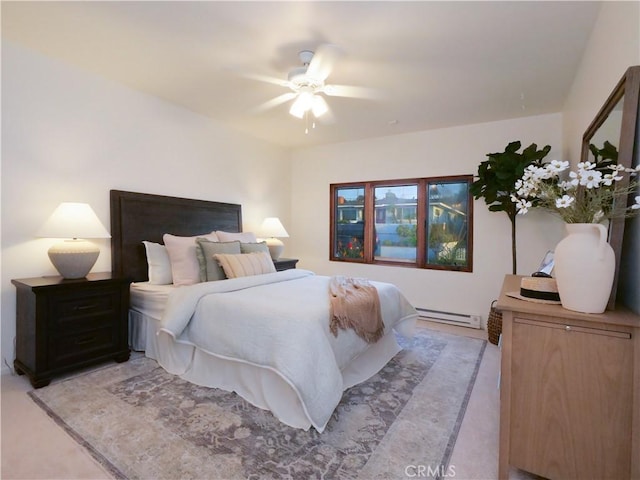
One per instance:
(349,218)
(447,223)
(396,222)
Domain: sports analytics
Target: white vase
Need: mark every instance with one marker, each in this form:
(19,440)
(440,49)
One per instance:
(584,266)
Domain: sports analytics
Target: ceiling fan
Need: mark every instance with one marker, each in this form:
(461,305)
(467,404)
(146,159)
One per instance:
(307,84)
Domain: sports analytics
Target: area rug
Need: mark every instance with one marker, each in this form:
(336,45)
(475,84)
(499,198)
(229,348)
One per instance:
(140,422)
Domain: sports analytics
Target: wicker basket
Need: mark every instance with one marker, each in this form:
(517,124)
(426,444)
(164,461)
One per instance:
(494,324)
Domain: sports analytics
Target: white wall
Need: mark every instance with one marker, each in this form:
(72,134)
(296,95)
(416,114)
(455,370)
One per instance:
(68,135)
(450,151)
(613,46)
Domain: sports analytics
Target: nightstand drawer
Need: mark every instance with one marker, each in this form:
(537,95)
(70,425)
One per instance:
(95,302)
(79,346)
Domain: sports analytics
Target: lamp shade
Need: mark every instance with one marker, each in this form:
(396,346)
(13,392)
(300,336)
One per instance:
(74,257)
(73,220)
(271,229)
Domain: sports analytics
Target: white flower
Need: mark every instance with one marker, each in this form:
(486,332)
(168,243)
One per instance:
(545,173)
(564,185)
(575,181)
(557,166)
(586,166)
(632,171)
(565,201)
(523,206)
(590,178)
(609,178)
(584,195)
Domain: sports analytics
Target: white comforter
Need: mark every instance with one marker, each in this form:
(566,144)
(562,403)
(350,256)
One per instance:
(278,321)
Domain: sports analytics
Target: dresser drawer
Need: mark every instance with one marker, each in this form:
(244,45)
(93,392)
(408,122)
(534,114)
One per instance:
(79,346)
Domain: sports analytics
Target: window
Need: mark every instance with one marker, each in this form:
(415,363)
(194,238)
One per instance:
(348,240)
(396,218)
(424,223)
(448,207)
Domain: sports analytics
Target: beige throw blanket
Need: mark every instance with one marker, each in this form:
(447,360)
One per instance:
(355,304)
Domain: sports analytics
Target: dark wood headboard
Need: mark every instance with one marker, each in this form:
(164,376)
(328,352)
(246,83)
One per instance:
(141,216)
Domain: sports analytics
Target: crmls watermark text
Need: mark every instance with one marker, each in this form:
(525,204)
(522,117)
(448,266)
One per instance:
(429,471)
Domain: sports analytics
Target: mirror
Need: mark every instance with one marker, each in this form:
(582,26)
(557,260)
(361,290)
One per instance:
(613,133)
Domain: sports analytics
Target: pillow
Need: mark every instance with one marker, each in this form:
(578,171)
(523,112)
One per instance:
(247,237)
(182,254)
(210,269)
(253,247)
(159,264)
(246,264)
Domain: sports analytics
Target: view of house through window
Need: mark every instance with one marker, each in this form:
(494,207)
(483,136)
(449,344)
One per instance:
(396,220)
(448,224)
(349,223)
(426,223)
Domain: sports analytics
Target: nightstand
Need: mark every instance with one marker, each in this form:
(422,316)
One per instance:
(285,263)
(63,325)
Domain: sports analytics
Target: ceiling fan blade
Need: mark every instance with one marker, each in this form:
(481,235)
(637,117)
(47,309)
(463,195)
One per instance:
(350,91)
(274,102)
(323,60)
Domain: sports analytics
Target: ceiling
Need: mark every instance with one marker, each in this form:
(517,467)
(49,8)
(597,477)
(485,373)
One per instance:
(432,64)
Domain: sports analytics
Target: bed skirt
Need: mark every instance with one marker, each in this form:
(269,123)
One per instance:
(259,385)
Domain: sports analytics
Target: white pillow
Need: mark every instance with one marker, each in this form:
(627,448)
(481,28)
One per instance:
(159,264)
(244,237)
(245,264)
(185,268)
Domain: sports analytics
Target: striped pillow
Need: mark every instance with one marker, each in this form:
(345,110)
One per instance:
(245,264)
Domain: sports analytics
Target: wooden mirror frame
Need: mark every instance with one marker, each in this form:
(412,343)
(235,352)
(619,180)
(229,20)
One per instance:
(628,89)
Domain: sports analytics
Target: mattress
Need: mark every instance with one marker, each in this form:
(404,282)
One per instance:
(146,304)
(148,299)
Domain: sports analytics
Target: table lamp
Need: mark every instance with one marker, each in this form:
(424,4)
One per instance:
(270,230)
(75,256)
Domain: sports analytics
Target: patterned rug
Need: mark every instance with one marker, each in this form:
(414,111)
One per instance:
(139,421)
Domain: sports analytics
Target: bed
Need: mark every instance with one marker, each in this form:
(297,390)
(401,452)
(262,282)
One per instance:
(265,337)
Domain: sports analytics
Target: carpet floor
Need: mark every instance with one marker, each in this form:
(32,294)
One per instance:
(141,422)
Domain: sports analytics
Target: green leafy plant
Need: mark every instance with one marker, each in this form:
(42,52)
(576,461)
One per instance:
(409,234)
(496,181)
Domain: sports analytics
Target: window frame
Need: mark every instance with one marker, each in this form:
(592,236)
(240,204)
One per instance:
(421,222)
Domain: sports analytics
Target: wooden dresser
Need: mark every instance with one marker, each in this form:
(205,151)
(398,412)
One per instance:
(569,391)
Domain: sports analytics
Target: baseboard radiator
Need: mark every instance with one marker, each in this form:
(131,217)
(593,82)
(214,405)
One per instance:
(461,319)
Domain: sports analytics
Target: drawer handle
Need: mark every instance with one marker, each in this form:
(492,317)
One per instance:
(88,306)
(567,328)
(85,340)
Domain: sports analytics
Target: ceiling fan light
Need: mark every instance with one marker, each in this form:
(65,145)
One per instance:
(297,109)
(303,104)
(319,106)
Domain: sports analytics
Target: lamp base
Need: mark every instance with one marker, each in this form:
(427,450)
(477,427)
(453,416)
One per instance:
(74,258)
(276,247)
